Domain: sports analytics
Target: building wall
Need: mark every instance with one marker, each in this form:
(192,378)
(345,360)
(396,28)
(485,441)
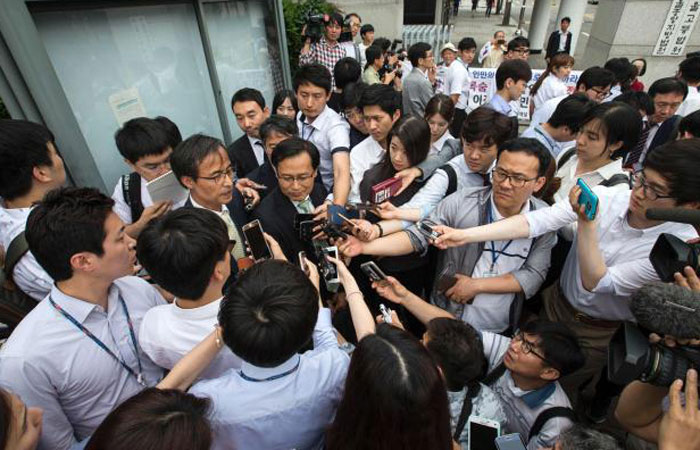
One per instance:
(385,15)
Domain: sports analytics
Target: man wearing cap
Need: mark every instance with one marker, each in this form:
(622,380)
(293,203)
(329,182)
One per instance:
(448,53)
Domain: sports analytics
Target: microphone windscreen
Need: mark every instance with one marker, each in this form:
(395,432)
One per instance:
(666,308)
(679,215)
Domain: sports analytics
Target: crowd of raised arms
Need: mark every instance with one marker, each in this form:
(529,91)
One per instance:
(377,263)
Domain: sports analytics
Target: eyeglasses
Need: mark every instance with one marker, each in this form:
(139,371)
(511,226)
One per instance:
(517,181)
(528,347)
(218,177)
(639,180)
(288,179)
(665,105)
(521,51)
(601,93)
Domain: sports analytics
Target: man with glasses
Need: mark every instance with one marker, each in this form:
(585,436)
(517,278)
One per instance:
(610,258)
(296,162)
(518,48)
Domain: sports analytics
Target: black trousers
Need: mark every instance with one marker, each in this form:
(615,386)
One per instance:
(457,121)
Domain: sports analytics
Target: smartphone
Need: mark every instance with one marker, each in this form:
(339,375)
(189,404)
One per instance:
(345,219)
(306,229)
(588,199)
(386,313)
(330,272)
(483,433)
(253,233)
(302,262)
(383,191)
(372,270)
(510,442)
(426,229)
(299,218)
(447,278)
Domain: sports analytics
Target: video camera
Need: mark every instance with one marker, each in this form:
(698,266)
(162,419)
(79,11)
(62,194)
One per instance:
(671,254)
(315,26)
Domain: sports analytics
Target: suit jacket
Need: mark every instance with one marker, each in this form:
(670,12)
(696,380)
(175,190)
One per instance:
(277,212)
(553,43)
(667,132)
(417,91)
(241,154)
(265,175)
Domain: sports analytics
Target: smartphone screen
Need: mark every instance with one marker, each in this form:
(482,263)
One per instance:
(332,270)
(482,437)
(256,241)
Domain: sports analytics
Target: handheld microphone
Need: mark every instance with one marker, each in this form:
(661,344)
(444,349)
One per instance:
(679,215)
(667,309)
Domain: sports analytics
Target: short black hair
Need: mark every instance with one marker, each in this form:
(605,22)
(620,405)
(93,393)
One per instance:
(418,51)
(488,125)
(638,100)
(248,95)
(67,221)
(620,121)
(347,70)
(515,69)
(382,95)
(187,156)
(689,69)
(278,124)
(352,14)
(623,70)
(382,43)
(679,163)
(292,147)
(668,85)
(596,77)
(141,137)
(565,19)
(281,96)
(269,314)
(315,75)
(571,111)
(366,28)
(173,132)
(530,146)
(372,53)
(352,94)
(23,146)
(180,250)
(458,351)
(559,345)
(466,43)
(440,104)
(518,41)
(334,17)
(690,124)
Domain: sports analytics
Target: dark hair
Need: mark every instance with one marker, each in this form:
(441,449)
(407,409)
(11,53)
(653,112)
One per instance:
(181,249)
(638,100)
(440,104)
(579,437)
(281,96)
(621,122)
(394,397)
(417,51)
(334,17)
(571,111)
(530,146)
(518,41)
(347,70)
(689,69)
(644,67)
(383,96)
(382,43)
(278,124)
(292,147)
(690,124)
(187,156)
(414,134)
(156,419)
(515,69)
(372,53)
(668,85)
(366,28)
(352,14)
(679,163)
(141,137)
(623,70)
(596,77)
(457,349)
(23,146)
(248,95)
(559,345)
(565,19)
(5,417)
(350,98)
(67,221)
(488,125)
(315,75)
(269,314)
(466,43)
(173,132)
(558,60)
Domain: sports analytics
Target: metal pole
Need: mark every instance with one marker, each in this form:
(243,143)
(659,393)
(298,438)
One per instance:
(506,14)
(521,19)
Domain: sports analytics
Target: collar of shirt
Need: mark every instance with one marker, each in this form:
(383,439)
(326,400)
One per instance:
(254,141)
(324,41)
(223,210)
(437,145)
(500,105)
(201,312)
(533,398)
(497,214)
(81,309)
(296,204)
(262,373)
(318,122)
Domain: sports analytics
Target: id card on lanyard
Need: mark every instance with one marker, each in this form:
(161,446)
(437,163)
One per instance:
(495,254)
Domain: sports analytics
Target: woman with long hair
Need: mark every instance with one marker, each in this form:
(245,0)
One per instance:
(551,82)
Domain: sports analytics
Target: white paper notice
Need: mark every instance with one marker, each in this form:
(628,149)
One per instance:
(166,187)
(126,105)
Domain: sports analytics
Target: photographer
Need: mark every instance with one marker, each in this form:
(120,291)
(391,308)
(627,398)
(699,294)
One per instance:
(327,51)
(375,62)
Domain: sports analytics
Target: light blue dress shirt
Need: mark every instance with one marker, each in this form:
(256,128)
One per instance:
(537,132)
(51,364)
(292,405)
(499,104)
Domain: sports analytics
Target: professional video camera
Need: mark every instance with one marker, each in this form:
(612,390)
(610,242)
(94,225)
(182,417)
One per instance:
(315,26)
(670,254)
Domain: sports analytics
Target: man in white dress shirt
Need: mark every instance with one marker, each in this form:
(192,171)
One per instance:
(30,166)
(187,251)
(77,354)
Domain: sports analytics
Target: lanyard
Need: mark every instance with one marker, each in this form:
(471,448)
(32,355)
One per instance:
(273,377)
(546,138)
(495,254)
(96,340)
(304,126)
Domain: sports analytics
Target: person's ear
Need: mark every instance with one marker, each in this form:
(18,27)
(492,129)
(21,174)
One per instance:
(266,112)
(188,182)
(509,83)
(539,183)
(83,262)
(549,374)
(220,269)
(396,116)
(615,146)
(42,174)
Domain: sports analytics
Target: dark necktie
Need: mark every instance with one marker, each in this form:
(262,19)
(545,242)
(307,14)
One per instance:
(487,178)
(636,153)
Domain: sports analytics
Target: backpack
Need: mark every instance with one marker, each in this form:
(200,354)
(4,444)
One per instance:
(131,189)
(14,304)
(452,179)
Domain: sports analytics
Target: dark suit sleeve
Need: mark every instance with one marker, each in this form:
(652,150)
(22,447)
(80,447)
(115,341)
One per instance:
(551,44)
(569,38)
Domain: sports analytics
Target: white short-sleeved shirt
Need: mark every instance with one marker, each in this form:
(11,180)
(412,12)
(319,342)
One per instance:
(362,158)
(28,275)
(330,133)
(458,77)
(169,332)
(550,88)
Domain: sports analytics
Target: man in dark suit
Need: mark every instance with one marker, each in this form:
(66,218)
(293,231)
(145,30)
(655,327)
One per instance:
(296,162)
(559,40)
(272,131)
(247,152)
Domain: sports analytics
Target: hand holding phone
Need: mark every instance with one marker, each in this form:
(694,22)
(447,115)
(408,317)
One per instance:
(587,199)
(425,227)
(253,233)
(373,272)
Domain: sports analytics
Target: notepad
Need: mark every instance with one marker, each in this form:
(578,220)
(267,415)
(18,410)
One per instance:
(166,187)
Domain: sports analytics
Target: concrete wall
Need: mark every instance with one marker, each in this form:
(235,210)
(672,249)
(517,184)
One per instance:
(385,15)
(630,28)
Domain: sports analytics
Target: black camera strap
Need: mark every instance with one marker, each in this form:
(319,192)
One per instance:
(546,415)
